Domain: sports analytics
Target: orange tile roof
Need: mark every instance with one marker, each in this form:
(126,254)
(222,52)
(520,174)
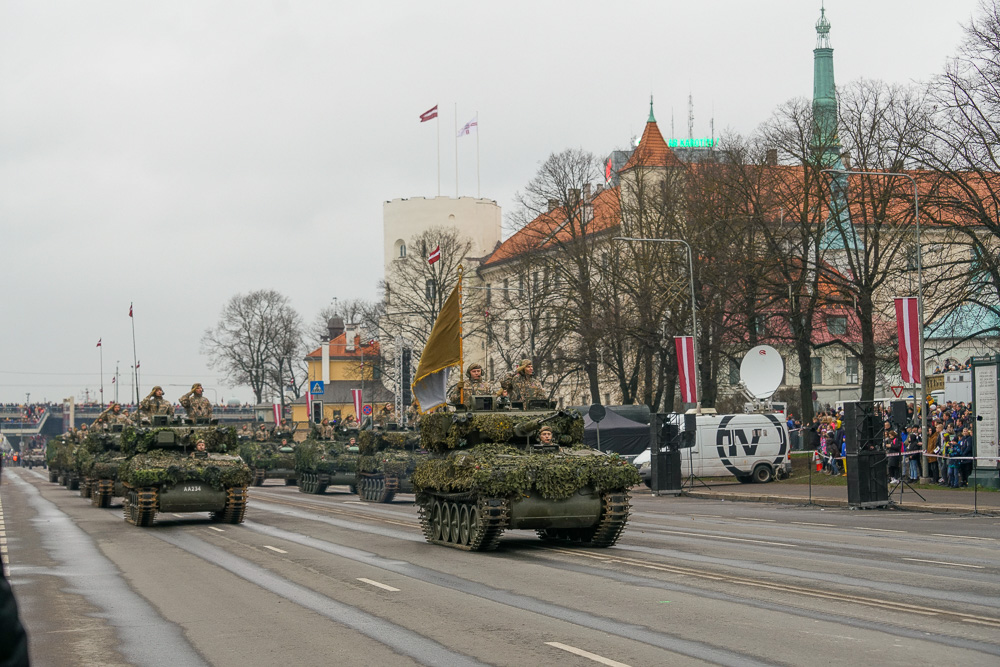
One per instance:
(338,349)
(548,229)
(652,151)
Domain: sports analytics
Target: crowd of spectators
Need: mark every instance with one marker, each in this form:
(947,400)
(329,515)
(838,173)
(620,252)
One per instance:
(949,449)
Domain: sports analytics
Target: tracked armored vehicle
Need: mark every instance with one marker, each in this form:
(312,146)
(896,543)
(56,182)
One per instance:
(490,473)
(60,456)
(270,459)
(387,462)
(98,459)
(324,463)
(162,474)
(34,457)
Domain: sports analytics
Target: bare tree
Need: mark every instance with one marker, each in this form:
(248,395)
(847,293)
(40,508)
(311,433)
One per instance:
(353,311)
(257,339)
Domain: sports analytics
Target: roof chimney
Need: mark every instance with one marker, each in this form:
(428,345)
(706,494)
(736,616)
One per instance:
(352,330)
(845,157)
(586,192)
(771,157)
(553,204)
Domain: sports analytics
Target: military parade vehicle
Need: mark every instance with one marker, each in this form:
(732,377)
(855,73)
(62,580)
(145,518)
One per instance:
(270,459)
(491,471)
(165,472)
(324,463)
(60,457)
(387,462)
(33,457)
(97,459)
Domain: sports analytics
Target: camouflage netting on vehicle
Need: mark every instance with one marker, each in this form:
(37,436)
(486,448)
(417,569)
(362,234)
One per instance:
(219,439)
(444,431)
(325,457)
(163,467)
(105,468)
(503,471)
(392,463)
(370,442)
(265,455)
(250,451)
(62,456)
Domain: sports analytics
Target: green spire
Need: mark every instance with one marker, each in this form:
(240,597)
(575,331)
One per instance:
(824,93)
(651,118)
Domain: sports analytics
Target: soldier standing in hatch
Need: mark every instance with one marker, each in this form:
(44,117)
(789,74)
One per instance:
(545,435)
(154,404)
(261,434)
(475,385)
(114,415)
(196,405)
(522,386)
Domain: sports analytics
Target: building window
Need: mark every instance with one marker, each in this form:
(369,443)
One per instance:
(431,289)
(506,332)
(489,294)
(734,372)
(520,286)
(817,369)
(506,290)
(760,324)
(853,370)
(400,249)
(837,326)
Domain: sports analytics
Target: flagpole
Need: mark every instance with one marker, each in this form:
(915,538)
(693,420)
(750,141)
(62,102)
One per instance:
(102,372)
(478,192)
(461,360)
(456,150)
(135,363)
(438,124)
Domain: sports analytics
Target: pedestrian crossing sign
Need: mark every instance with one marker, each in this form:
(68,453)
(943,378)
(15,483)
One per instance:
(316,387)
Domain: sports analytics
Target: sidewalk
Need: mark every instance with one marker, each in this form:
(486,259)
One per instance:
(941,500)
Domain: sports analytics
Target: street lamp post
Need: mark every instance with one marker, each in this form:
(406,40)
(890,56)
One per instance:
(920,301)
(694,304)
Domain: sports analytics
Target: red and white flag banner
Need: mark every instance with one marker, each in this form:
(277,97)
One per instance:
(429,114)
(356,395)
(908,327)
(99,342)
(276,407)
(686,368)
(434,256)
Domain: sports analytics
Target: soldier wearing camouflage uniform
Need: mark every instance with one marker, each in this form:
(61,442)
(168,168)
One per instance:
(114,415)
(475,385)
(261,434)
(522,386)
(154,404)
(196,405)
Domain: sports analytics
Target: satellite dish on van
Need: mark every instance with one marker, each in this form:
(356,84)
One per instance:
(761,371)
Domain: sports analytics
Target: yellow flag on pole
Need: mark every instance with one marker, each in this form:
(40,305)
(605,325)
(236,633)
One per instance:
(442,351)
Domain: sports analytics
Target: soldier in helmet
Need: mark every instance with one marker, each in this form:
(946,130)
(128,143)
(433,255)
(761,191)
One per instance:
(261,434)
(154,404)
(114,415)
(545,435)
(200,451)
(475,385)
(522,386)
(196,405)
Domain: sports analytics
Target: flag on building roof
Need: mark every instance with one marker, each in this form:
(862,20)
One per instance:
(442,351)
(434,256)
(99,342)
(429,114)
(469,127)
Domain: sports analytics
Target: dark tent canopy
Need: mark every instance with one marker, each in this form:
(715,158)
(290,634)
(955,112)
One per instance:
(618,434)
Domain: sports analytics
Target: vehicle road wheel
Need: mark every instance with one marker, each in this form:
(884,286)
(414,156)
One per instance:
(763,474)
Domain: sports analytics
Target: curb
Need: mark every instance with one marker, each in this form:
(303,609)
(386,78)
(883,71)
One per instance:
(836,502)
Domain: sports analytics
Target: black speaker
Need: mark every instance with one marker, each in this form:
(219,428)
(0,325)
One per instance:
(406,379)
(690,430)
(898,415)
(863,427)
(868,479)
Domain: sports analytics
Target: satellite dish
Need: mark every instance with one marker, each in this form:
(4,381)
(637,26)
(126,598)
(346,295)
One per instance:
(761,371)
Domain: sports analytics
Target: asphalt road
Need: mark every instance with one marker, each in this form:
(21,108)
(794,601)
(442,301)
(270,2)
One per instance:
(319,580)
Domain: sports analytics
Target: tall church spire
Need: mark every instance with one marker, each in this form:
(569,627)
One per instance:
(824,94)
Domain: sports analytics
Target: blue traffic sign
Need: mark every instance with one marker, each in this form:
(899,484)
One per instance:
(316,387)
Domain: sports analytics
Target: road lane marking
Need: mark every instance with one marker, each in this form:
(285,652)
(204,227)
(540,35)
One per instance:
(280,551)
(710,516)
(586,654)
(964,537)
(982,622)
(723,537)
(747,518)
(354,502)
(879,530)
(806,523)
(941,562)
(378,585)
(217,529)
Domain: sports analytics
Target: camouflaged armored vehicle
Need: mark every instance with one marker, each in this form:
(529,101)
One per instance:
(162,473)
(490,473)
(97,461)
(387,462)
(60,456)
(270,459)
(34,457)
(324,463)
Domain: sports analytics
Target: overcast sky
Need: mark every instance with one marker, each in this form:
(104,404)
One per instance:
(173,154)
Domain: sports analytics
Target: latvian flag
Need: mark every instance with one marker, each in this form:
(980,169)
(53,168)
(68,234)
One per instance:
(429,114)
(908,327)
(434,256)
(356,395)
(686,368)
